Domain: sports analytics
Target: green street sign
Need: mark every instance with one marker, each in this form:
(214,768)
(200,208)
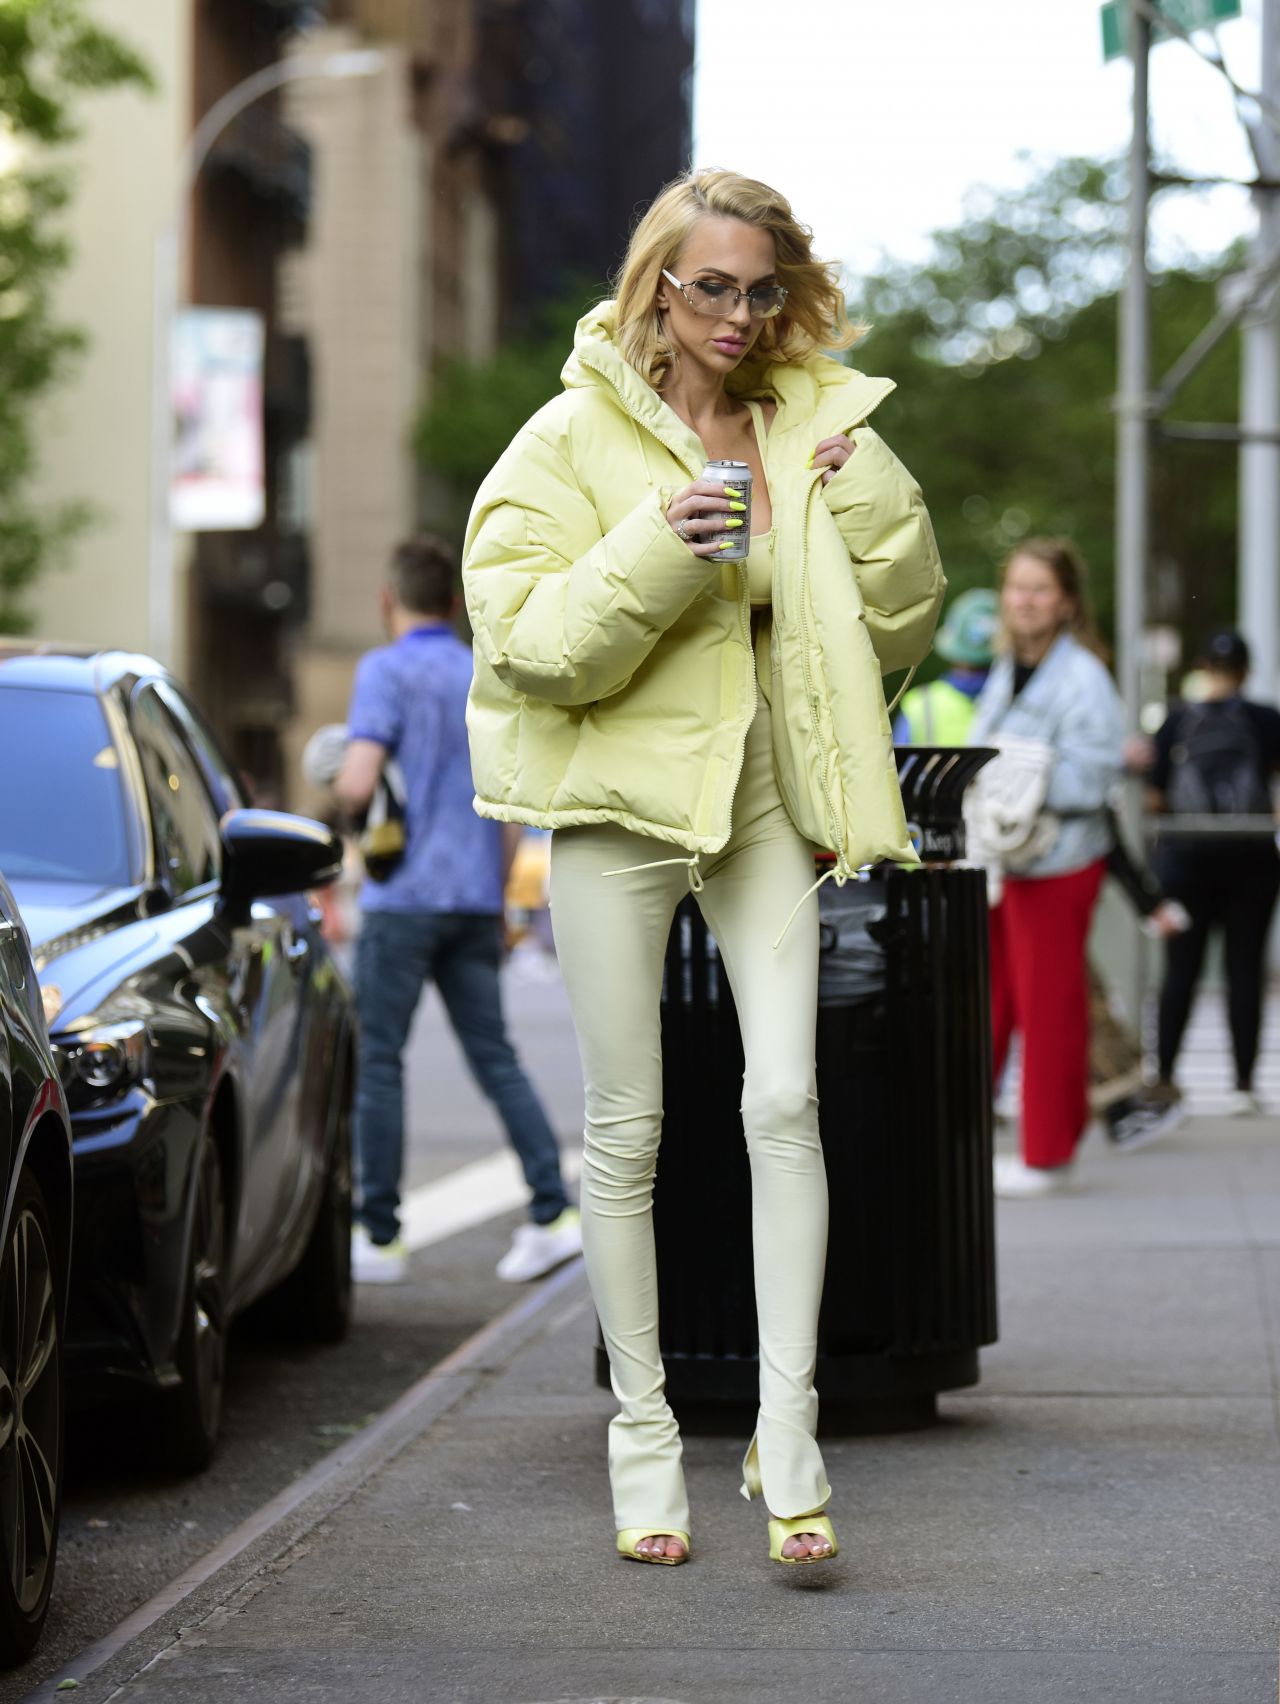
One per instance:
(1191,14)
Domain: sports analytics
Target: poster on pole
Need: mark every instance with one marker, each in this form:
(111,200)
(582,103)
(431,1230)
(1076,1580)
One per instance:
(217,483)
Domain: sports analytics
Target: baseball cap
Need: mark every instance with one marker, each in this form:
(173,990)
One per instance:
(1226,649)
(968,632)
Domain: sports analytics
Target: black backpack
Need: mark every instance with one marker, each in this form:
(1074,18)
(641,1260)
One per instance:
(1216,763)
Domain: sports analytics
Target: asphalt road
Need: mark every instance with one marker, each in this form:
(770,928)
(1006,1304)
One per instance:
(128,1530)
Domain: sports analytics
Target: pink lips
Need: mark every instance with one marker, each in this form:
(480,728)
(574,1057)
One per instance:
(730,345)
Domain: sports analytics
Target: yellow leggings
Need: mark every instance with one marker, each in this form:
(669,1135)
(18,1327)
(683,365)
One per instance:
(611,935)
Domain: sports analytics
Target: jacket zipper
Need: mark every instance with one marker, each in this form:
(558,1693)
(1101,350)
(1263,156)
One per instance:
(632,415)
(833,821)
(833,826)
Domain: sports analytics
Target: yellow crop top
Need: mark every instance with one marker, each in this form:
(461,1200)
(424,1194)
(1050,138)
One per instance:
(760,569)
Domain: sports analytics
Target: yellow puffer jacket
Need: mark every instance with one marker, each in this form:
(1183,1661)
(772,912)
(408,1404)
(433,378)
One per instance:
(614,671)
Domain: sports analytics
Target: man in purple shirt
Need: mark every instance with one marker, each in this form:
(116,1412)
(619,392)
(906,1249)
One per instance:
(435,916)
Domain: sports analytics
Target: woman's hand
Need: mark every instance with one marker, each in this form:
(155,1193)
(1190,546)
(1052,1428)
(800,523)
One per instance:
(1169,918)
(1138,754)
(700,509)
(831,455)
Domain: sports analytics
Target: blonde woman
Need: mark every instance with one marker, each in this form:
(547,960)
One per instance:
(683,722)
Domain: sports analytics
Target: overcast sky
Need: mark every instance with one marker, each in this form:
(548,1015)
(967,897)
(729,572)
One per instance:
(875,116)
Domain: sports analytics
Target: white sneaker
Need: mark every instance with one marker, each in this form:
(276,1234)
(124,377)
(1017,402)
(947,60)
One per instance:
(1243,1103)
(1017,1181)
(377,1263)
(538,1249)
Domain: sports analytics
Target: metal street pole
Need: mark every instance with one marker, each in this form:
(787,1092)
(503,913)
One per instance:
(1133,433)
(1259,582)
(170,251)
(1133,423)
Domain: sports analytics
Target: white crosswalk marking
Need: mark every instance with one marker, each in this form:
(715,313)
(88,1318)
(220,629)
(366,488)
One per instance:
(470,1196)
(1205,1070)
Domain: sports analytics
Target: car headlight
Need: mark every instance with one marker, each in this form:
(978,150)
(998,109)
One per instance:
(101,1061)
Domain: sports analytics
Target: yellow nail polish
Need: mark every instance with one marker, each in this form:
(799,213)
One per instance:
(732,523)
(741,508)
(732,491)
(726,543)
(809,463)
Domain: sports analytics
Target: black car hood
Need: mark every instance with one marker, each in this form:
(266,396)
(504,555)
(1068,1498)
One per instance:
(80,931)
(61,916)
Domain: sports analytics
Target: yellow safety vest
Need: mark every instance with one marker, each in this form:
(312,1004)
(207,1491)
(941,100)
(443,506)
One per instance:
(938,714)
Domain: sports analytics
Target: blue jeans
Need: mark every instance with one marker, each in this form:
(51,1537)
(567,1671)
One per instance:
(397,953)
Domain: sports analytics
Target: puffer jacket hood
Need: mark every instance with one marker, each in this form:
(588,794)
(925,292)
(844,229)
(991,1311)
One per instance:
(831,396)
(615,674)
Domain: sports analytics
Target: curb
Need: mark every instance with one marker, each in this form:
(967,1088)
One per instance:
(279,1524)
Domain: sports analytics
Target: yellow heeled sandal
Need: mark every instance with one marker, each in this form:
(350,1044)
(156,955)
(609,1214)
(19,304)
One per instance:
(781,1531)
(629,1537)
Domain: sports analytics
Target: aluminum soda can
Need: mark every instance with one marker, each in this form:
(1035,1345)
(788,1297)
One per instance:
(737,474)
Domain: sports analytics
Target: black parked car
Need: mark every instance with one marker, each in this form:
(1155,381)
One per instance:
(203,1032)
(35,1254)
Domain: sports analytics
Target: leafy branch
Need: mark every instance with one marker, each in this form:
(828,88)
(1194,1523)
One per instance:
(51,52)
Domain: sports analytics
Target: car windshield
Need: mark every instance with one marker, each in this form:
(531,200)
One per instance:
(63,817)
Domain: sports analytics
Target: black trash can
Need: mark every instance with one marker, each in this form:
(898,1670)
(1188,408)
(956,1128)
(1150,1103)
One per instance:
(904,1084)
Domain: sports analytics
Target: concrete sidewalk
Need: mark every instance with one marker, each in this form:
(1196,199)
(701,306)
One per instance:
(1099,1520)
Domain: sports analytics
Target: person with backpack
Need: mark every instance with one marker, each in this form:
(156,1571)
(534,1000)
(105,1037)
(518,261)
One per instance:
(1217,758)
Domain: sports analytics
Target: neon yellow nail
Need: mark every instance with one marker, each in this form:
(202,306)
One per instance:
(729,524)
(741,508)
(809,463)
(732,491)
(726,543)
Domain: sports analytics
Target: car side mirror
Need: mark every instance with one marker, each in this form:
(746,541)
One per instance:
(267,853)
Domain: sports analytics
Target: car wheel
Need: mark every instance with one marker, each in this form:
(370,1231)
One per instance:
(31,1423)
(313,1304)
(192,1413)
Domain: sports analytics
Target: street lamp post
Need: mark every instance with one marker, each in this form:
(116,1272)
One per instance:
(169,247)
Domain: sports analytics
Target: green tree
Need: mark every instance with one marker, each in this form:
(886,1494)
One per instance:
(51,52)
(477,407)
(1003,345)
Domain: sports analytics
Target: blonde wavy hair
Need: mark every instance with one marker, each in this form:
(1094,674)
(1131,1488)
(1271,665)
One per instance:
(814,317)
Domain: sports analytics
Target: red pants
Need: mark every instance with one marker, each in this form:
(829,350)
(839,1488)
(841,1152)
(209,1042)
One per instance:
(1038,987)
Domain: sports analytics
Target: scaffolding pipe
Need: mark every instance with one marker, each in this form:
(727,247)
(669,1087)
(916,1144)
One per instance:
(1259,572)
(1133,401)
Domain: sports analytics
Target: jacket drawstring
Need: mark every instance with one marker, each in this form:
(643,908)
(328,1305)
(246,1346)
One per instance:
(696,883)
(841,877)
(898,695)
